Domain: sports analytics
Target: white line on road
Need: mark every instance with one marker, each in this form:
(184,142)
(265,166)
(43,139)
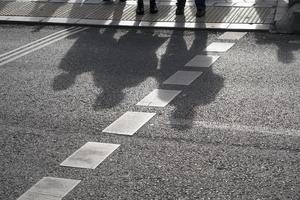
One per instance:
(294,41)
(235,127)
(34,46)
(36,41)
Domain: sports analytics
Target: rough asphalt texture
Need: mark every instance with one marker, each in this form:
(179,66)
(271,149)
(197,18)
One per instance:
(58,98)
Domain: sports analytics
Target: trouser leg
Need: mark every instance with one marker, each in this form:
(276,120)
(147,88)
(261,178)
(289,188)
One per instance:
(180,7)
(200,4)
(140,7)
(153,7)
(181,3)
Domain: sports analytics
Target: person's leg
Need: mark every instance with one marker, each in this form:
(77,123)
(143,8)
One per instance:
(200,4)
(140,7)
(180,7)
(153,7)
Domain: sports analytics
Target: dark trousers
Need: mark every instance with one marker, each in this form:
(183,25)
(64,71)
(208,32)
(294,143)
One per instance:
(200,4)
(141,2)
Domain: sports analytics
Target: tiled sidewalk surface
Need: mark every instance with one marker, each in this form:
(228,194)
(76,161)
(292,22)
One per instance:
(234,14)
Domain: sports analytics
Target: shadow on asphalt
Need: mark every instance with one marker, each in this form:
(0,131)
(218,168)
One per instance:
(284,49)
(120,60)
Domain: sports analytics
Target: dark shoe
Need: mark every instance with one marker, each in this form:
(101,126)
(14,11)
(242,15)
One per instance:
(122,0)
(180,10)
(200,12)
(140,10)
(153,8)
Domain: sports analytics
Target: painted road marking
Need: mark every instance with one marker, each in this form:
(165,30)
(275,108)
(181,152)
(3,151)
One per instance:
(232,35)
(234,127)
(294,41)
(129,123)
(37,41)
(90,155)
(219,47)
(49,187)
(202,61)
(182,78)
(37,196)
(159,98)
(34,46)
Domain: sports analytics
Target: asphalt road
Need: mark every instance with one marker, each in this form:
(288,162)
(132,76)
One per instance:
(232,134)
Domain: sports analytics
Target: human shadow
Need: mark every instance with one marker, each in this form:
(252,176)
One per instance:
(124,64)
(120,63)
(177,55)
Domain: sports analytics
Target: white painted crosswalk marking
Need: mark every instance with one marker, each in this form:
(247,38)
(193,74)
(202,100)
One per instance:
(159,98)
(232,35)
(129,123)
(182,78)
(50,188)
(90,155)
(202,61)
(218,47)
(37,196)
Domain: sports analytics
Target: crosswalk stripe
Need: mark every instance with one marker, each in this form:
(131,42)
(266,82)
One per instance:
(129,123)
(218,47)
(159,98)
(202,61)
(182,78)
(90,155)
(232,35)
(49,187)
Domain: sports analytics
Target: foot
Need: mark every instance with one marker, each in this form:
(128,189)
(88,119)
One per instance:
(200,12)
(153,8)
(179,10)
(140,10)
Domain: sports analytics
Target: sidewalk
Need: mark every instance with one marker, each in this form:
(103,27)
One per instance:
(221,14)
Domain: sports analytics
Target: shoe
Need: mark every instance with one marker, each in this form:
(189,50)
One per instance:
(140,9)
(122,1)
(179,10)
(153,8)
(200,12)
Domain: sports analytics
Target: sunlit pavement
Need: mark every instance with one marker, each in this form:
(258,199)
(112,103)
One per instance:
(220,14)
